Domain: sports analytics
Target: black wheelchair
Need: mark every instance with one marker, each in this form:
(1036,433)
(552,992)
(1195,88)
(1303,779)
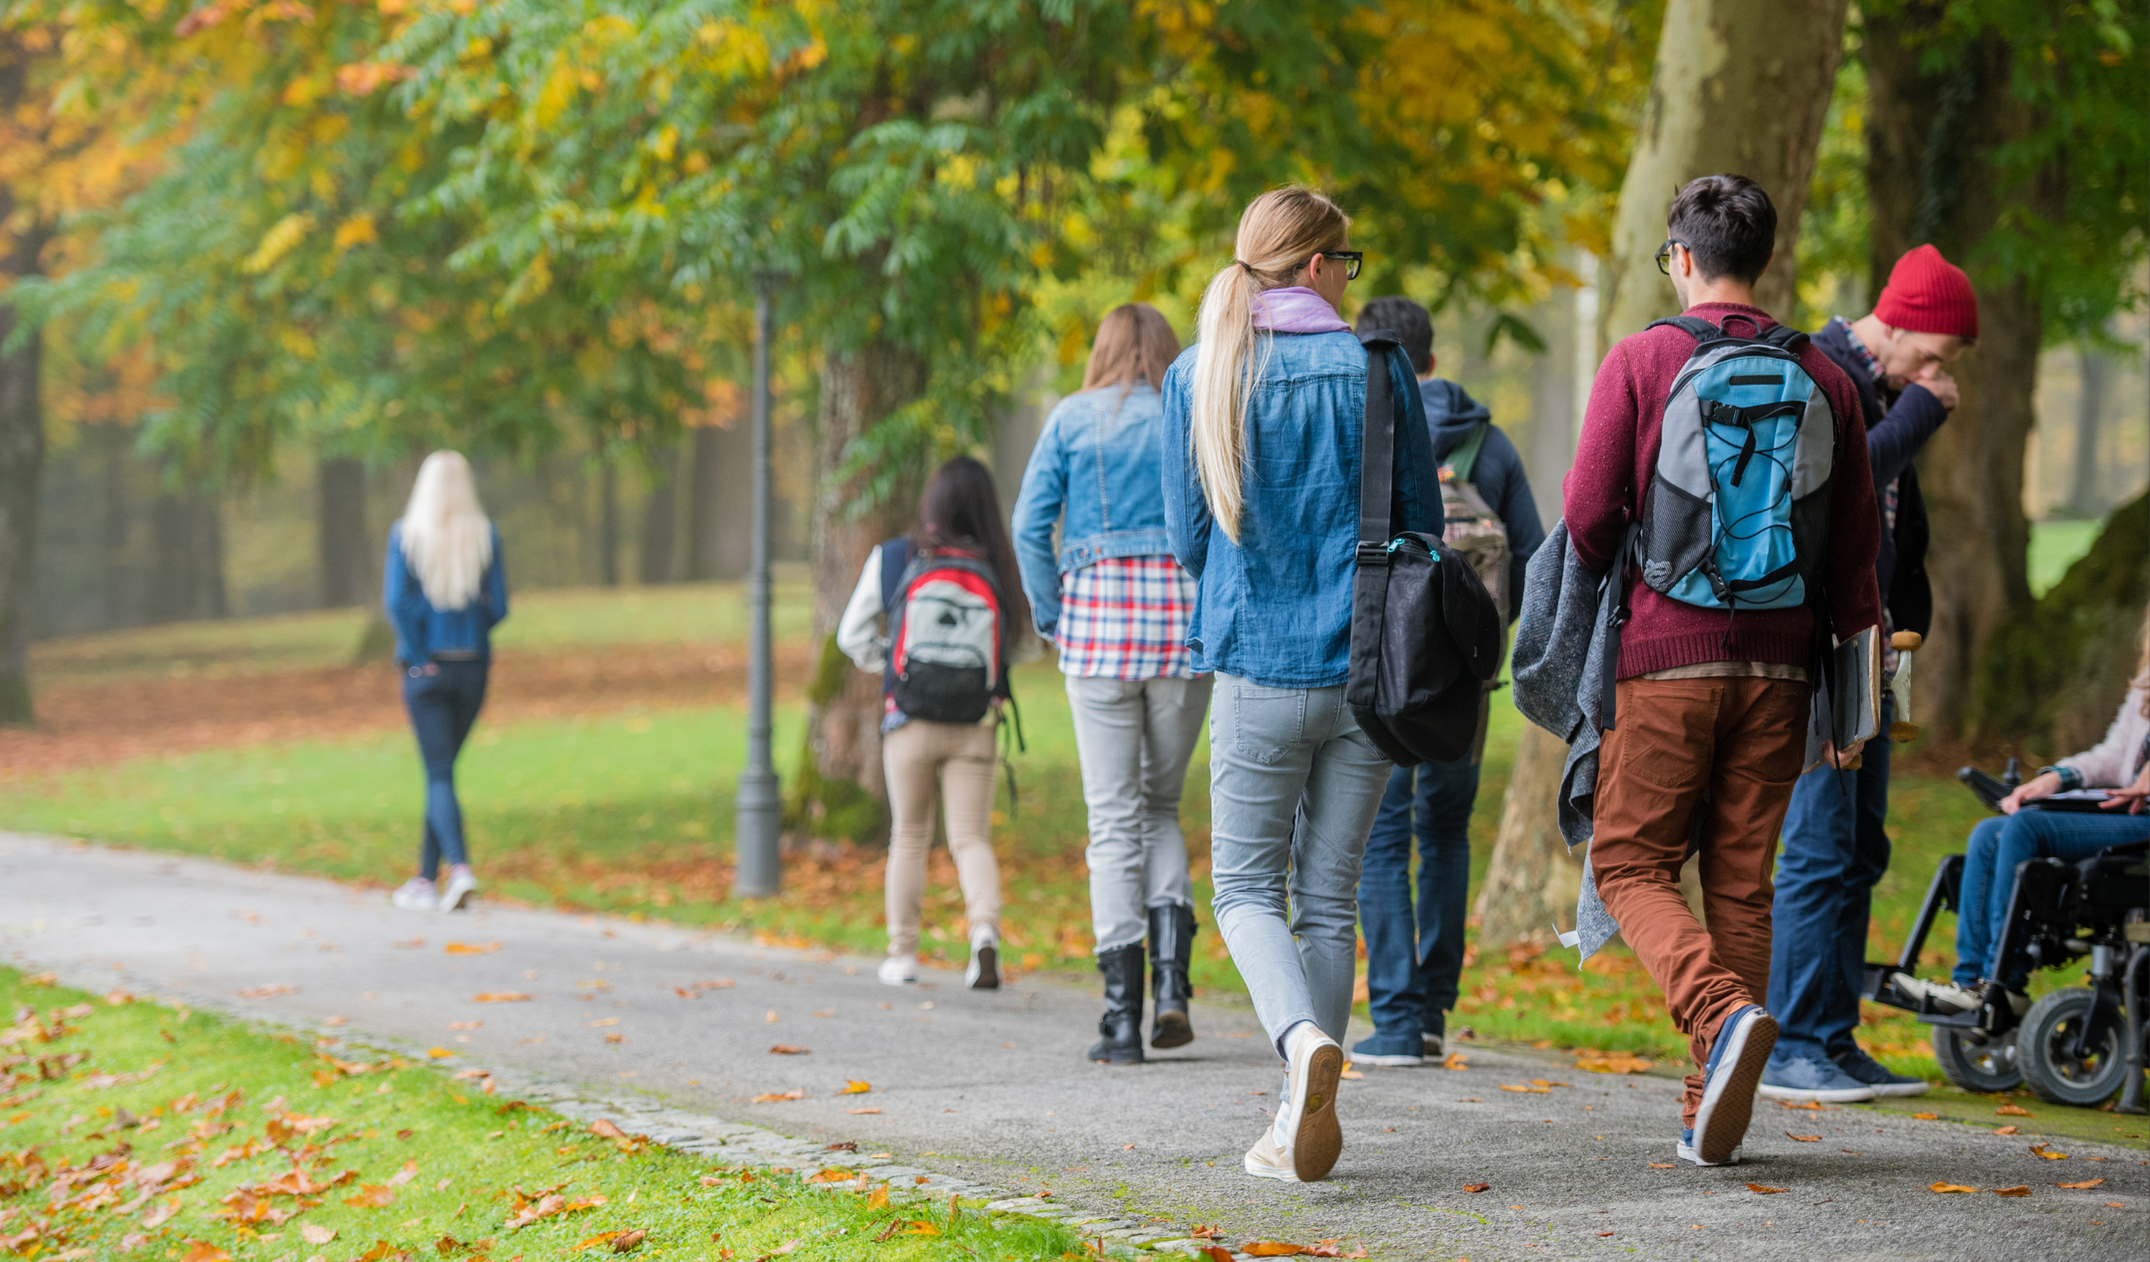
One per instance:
(2077,1046)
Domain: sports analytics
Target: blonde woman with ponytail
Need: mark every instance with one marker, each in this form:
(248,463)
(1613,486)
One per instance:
(1263,428)
(445,589)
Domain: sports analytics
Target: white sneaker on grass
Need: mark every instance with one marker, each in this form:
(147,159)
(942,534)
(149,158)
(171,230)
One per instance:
(1302,1144)
(461,885)
(899,970)
(1945,995)
(416,894)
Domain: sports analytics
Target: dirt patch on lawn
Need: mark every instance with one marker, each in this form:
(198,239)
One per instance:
(92,724)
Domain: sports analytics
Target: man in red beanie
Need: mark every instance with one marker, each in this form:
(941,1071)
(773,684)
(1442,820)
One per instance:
(1834,849)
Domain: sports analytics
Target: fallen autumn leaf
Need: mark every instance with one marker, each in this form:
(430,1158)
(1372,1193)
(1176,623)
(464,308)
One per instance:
(2021,1189)
(2046,1151)
(1804,1139)
(2077,1187)
(771,1097)
(1764,1189)
(786,1049)
(1949,1187)
(315,1233)
(853,1086)
(472,948)
(500,996)
(1476,1187)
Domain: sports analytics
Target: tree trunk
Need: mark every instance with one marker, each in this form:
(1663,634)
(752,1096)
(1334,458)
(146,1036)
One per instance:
(22,463)
(346,568)
(118,442)
(838,792)
(1930,178)
(660,512)
(2086,494)
(608,523)
(187,578)
(1531,881)
(720,534)
(1740,87)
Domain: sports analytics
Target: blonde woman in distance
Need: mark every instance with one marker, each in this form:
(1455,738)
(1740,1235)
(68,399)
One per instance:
(445,589)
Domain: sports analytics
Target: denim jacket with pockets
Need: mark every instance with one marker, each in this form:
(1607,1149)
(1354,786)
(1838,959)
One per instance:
(423,628)
(1275,607)
(1096,470)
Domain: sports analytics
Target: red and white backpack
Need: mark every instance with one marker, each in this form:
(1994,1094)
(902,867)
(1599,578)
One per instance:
(947,644)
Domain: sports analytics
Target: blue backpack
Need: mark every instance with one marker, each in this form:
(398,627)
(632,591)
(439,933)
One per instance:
(1737,515)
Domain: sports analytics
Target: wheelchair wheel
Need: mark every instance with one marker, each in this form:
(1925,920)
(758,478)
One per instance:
(2045,1039)
(1982,1068)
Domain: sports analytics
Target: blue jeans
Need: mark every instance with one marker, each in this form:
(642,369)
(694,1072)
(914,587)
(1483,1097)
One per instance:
(1834,850)
(443,704)
(1413,962)
(1293,787)
(1989,874)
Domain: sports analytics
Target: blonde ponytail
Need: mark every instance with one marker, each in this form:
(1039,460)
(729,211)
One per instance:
(1278,233)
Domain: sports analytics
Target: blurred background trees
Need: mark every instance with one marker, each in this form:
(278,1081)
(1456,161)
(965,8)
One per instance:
(259,255)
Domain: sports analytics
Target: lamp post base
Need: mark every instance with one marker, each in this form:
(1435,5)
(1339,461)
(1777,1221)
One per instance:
(756,833)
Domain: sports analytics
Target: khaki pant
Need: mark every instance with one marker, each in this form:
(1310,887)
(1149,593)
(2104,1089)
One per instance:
(1741,740)
(960,756)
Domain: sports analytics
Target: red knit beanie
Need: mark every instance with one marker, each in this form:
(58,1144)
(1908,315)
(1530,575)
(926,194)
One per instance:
(1928,294)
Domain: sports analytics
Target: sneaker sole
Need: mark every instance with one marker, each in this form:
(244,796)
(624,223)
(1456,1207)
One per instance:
(1690,1156)
(1900,1088)
(462,901)
(1319,1139)
(1817,1095)
(1172,1030)
(1718,1136)
(1388,1062)
(986,961)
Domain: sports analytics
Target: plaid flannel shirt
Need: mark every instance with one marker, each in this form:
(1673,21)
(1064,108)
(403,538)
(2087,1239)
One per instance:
(1126,618)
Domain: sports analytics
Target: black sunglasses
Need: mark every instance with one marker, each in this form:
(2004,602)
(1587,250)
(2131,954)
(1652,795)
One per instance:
(1664,254)
(1352,260)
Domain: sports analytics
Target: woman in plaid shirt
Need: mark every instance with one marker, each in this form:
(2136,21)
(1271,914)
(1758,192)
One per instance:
(1116,604)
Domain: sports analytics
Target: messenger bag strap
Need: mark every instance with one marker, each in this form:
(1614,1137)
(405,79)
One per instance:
(1377,455)
(1370,583)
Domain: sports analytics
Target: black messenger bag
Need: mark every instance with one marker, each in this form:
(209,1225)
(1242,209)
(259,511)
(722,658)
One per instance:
(1425,635)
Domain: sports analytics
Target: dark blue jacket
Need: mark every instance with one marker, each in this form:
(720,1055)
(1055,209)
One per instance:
(1497,473)
(1895,431)
(422,629)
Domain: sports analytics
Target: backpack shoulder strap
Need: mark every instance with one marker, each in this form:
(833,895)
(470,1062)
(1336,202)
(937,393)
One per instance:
(895,559)
(1464,457)
(1377,451)
(1785,338)
(1693,326)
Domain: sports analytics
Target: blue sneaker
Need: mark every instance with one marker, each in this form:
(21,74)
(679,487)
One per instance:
(1737,1059)
(1807,1080)
(1388,1051)
(1866,1069)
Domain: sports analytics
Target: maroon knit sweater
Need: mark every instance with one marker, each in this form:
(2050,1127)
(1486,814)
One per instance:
(1613,462)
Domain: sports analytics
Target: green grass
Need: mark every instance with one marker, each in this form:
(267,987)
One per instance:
(632,814)
(105,1093)
(2056,545)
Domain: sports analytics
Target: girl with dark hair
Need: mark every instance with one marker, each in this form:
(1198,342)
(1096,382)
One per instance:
(948,594)
(1116,603)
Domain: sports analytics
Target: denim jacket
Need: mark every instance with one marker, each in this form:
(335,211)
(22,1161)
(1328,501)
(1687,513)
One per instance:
(1096,471)
(1275,607)
(422,629)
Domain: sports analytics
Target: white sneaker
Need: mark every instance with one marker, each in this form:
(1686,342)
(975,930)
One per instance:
(1304,1141)
(461,885)
(899,970)
(416,894)
(1946,995)
(984,970)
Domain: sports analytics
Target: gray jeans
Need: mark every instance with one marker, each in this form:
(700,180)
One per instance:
(1134,737)
(1293,789)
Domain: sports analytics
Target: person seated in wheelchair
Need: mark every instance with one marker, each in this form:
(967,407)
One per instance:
(2119,764)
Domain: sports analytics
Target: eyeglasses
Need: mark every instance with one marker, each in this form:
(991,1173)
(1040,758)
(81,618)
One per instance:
(1352,260)
(1664,254)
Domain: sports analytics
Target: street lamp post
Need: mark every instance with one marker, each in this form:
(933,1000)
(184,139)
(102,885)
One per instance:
(759,823)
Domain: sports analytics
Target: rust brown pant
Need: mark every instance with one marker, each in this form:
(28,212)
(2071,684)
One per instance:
(1742,740)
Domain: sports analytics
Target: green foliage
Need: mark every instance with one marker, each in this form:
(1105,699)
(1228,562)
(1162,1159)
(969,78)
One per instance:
(2077,72)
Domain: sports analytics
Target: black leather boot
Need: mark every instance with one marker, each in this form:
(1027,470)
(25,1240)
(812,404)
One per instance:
(1171,946)
(1122,1023)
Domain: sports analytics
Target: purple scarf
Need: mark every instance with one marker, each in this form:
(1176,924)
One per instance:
(1295,309)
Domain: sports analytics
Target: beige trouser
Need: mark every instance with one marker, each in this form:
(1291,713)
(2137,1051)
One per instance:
(961,754)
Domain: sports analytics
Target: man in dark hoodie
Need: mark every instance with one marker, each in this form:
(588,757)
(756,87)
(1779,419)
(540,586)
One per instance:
(1834,847)
(1414,956)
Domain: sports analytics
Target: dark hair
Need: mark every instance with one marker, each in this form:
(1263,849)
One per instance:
(1408,321)
(1728,223)
(960,509)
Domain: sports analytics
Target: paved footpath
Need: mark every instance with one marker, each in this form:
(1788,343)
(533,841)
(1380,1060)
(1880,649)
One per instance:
(990,1087)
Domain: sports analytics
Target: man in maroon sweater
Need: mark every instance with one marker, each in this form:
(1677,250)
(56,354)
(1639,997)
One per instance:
(1712,704)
